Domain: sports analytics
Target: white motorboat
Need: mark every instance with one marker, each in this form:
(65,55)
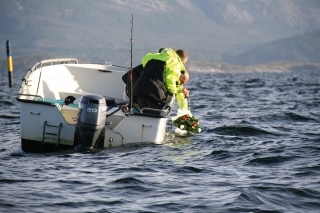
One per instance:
(66,104)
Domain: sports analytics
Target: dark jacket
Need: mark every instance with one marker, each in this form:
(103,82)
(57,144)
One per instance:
(150,84)
(136,72)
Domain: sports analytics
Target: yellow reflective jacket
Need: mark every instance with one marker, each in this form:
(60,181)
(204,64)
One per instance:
(173,69)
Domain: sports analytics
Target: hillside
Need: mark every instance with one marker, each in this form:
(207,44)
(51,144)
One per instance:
(299,48)
(99,31)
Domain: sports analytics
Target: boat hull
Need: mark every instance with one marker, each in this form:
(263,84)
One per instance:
(49,123)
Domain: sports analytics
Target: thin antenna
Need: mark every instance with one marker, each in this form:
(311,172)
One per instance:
(131,82)
(131,40)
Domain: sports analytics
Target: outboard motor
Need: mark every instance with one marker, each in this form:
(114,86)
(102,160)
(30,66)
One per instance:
(91,119)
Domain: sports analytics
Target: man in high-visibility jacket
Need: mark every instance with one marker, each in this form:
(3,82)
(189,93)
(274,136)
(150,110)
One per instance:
(162,77)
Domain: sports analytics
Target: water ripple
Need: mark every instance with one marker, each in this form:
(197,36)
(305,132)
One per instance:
(258,152)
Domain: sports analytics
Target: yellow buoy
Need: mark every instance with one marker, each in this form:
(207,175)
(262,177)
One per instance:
(9,61)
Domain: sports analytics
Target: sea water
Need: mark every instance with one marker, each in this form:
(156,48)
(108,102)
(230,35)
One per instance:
(259,151)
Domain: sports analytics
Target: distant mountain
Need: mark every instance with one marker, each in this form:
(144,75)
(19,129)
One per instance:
(99,30)
(299,48)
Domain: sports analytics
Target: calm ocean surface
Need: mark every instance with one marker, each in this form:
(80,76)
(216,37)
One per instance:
(259,151)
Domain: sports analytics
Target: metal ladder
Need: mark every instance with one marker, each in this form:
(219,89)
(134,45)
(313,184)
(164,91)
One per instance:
(49,133)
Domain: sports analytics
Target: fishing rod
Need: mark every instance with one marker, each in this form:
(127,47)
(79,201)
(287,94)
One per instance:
(130,76)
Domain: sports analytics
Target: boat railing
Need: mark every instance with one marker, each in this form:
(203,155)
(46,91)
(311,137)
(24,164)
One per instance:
(50,62)
(162,112)
(29,95)
(165,111)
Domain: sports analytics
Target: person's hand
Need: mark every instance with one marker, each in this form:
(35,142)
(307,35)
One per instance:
(185,92)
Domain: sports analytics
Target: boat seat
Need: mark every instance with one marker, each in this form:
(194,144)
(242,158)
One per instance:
(70,114)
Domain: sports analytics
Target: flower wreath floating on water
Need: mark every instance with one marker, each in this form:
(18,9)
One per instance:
(186,123)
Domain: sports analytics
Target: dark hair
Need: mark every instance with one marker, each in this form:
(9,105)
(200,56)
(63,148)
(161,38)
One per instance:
(160,50)
(182,53)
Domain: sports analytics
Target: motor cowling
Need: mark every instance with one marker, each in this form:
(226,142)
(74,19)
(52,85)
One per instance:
(91,119)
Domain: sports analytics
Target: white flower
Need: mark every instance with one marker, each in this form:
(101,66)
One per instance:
(180,132)
(199,130)
(181,126)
